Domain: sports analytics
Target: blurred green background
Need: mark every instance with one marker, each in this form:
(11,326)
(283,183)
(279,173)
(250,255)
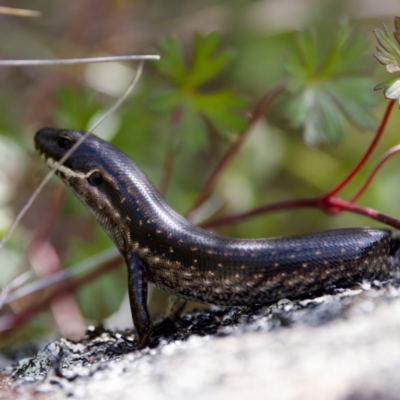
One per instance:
(191,105)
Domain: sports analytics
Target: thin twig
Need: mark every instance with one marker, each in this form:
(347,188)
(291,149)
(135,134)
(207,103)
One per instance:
(107,256)
(8,289)
(11,321)
(118,103)
(69,152)
(44,260)
(68,61)
(19,12)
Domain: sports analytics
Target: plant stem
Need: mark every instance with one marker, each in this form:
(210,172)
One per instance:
(366,211)
(367,154)
(327,202)
(169,161)
(330,205)
(394,150)
(168,168)
(259,110)
(281,205)
(10,321)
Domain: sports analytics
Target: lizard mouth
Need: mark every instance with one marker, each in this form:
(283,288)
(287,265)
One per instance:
(44,145)
(53,144)
(61,170)
(44,154)
(51,163)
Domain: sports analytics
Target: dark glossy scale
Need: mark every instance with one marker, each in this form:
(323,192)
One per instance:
(162,247)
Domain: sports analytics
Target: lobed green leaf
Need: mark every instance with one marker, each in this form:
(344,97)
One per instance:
(172,64)
(388,53)
(221,108)
(327,86)
(206,63)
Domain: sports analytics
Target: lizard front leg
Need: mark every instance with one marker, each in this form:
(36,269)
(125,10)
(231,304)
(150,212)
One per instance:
(137,289)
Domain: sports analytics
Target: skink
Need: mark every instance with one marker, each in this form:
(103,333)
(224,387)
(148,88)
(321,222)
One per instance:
(162,247)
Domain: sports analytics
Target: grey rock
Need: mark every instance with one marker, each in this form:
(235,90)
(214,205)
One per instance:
(343,345)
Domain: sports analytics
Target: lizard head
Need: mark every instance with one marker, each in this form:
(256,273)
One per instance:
(95,170)
(87,162)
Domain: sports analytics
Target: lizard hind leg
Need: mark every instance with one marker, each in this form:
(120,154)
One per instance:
(174,307)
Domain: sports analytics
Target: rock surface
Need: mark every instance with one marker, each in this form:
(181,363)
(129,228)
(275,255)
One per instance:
(344,345)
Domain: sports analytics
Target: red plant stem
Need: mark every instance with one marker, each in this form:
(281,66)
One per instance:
(282,205)
(259,111)
(367,154)
(328,202)
(331,205)
(169,161)
(394,150)
(365,211)
(168,167)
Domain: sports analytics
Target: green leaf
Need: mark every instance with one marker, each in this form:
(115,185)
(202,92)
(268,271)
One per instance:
(307,43)
(317,114)
(328,83)
(386,84)
(222,109)
(188,98)
(330,119)
(384,40)
(172,63)
(393,91)
(191,128)
(391,88)
(385,58)
(388,52)
(166,101)
(295,68)
(352,95)
(75,108)
(347,56)
(206,63)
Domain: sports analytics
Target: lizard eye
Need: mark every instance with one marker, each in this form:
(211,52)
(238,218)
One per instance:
(95,178)
(64,143)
